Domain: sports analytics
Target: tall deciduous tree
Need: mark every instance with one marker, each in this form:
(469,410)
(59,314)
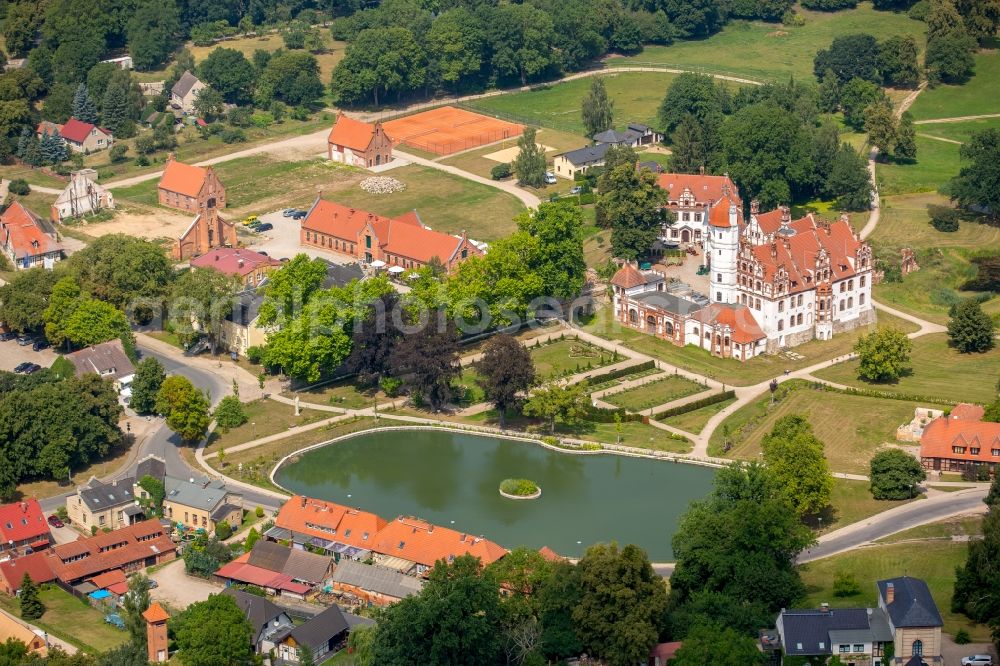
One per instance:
(631,203)
(428,360)
(880,123)
(557,228)
(507,371)
(883,354)
(149,376)
(621,604)
(529,165)
(551,402)
(970,329)
(123,270)
(153,33)
(713,644)
(374,337)
(977,583)
(184,406)
(200,301)
(977,185)
(906,139)
(455,49)
(849,56)
(379,62)
(794,456)
(597,108)
(855,96)
(848,180)
(229,72)
(213,632)
(134,603)
(897,61)
(894,475)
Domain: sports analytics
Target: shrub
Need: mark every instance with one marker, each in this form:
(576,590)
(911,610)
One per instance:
(519,487)
(391,386)
(262,119)
(254,353)
(259,512)
(233,136)
(845,585)
(962,637)
(145,144)
(223,531)
(944,218)
(230,413)
(241,116)
(117,153)
(142,161)
(587,198)
(300,113)
(894,475)
(19,186)
(501,171)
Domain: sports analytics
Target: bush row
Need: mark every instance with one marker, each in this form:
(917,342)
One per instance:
(722,396)
(620,372)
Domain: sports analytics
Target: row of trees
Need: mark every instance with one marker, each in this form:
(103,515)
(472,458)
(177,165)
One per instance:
(977,582)
(768,138)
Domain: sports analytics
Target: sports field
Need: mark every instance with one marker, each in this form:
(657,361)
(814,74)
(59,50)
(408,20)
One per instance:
(448,129)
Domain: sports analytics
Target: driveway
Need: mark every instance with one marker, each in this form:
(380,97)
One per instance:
(953,653)
(13,354)
(177,589)
(283,241)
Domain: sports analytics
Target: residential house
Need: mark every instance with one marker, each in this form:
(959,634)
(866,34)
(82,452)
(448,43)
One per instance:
(36,565)
(27,240)
(241,572)
(636,135)
(324,635)
(404,242)
(82,196)
(249,267)
(339,530)
(358,143)
(240,329)
(153,466)
(12,629)
(278,569)
(269,622)
(373,585)
(104,505)
(84,137)
(130,549)
(108,360)
(201,503)
(568,164)
(411,545)
(23,526)
(185,92)
(662,653)
(960,441)
(913,617)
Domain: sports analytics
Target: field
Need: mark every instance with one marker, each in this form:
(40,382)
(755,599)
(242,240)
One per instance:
(937,163)
(936,371)
(445,202)
(770,51)
(932,561)
(906,223)
(849,441)
(72,620)
(850,502)
(654,394)
(636,96)
(567,356)
(957,131)
(696,420)
(727,370)
(264,418)
(272,42)
(33,176)
(976,97)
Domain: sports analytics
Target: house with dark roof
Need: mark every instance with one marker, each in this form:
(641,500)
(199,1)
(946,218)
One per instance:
(358,143)
(107,360)
(635,135)
(200,503)
(270,622)
(324,635)
(372,584)
(913,617)
(104,505)
(27,240)
(568,164)
(151,465)
(277,569)
(23,526)
(185,92)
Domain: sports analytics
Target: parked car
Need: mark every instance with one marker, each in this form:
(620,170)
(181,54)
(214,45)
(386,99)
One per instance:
(32,367)
(977,660)
(249,220)
(21,367)
(267,226)
(576,189)
(298,214)
(9,335)
(550,178)
(24,340)
(40,344)
(55,521)
(287,212)
(256,223)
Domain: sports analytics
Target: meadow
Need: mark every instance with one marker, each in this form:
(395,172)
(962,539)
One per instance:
(975,97)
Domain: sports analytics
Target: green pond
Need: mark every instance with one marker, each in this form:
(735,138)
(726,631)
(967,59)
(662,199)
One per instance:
(452,479)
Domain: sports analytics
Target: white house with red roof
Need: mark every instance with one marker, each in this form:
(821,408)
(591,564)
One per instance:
(690,197)
(78,135)
(358,143)
(28,240)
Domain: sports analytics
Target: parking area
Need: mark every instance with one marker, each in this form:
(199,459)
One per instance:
(13,354)
(178,590)
(283,240)
(952,653)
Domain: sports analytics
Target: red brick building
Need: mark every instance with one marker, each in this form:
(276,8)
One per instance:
(403,241)
(961,440)
(358,144)
(190,188)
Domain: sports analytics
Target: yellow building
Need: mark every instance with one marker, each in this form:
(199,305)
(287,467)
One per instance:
(914,619)
(104,505)
(201,503)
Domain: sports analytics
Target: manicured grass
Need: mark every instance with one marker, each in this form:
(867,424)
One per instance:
(346,394)
(654,394)
(636,96)
(937,163)
(270,42)
(32,176)
(264,417)
(71,619)
(851,501)
(467,388)
(976,97)
(474,161)
(730,371)
(958,131)
(770,51)
(933,562)
(936,370)
(568,356)
(851,427)
(905,222)
(960,526)
(696,420)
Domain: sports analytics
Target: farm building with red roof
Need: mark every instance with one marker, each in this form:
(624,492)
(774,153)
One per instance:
(961,440)
(357,143)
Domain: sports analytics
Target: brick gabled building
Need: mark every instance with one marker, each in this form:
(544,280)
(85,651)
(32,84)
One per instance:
(358,143)
(196,190)
(130,549)
(403,241)
(961,440)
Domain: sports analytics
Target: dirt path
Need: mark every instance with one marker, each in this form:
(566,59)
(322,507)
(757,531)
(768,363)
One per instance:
(527,198)
(956,119)
(938,138)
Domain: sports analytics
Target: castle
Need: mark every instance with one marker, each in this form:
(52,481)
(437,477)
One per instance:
(774,282)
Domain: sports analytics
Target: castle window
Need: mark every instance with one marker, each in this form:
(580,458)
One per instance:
(781,306)
(758,285)
(781,324)
(718,277)
(843,305)
(850,284)
(798,319)
(850,302)
(861,299)
(800,300)
(791,321)
(718,296)
(757,304)
(843,287)
(862,281)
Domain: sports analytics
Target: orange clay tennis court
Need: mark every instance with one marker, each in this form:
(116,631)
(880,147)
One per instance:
(448,129)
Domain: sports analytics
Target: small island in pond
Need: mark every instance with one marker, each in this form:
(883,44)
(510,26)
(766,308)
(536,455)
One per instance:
(520,489)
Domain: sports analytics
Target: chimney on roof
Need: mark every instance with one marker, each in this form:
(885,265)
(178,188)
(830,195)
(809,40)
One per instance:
(890,593)
(430,528)
(786,215)
(240,263)
(725,189)
(303,502)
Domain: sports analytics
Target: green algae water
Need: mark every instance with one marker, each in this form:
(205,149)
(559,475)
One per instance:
(452,479)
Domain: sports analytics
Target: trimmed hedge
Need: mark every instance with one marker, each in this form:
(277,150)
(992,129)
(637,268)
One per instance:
(887,395)
(721,396)
(621,372)
(604,415)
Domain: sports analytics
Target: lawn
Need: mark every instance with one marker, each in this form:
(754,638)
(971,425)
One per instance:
(467,387)
(264,417)
(933,562)
(937,163)
(33,176)
(728,370)
(345,393)
(959,526)
(850,502)
(906,223)
(474,161)
(71,619)
(851,427)
(270,42)
(958,131)
(770,51)
(696,420)
(654,394)
(636,96)
(936,370)
(567,356)
(976,97)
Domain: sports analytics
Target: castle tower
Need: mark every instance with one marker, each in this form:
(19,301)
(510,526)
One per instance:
(156,633)
(723,246)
